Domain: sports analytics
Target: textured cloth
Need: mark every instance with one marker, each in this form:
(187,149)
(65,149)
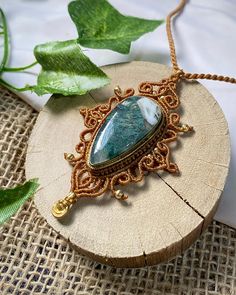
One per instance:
(34,259)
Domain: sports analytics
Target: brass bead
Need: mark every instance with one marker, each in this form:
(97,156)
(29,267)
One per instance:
(68,156)
(156,150)
(117,89)
(186,128)
(70,197)
(119,195)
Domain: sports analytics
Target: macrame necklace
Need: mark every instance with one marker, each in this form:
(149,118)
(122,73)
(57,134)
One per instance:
(106,159)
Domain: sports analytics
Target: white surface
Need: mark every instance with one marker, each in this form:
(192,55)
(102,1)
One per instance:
(205,40)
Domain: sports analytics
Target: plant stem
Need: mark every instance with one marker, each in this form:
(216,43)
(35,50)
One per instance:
(6,42)
(5,69)
(12,87)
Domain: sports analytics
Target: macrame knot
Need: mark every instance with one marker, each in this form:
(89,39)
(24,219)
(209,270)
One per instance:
(177,74)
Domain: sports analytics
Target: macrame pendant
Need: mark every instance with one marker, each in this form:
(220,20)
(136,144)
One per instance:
(123,139)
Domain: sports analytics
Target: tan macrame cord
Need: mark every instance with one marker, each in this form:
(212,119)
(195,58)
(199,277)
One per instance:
(188,76)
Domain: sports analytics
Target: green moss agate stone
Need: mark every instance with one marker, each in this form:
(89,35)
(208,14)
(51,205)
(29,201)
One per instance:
(130,122)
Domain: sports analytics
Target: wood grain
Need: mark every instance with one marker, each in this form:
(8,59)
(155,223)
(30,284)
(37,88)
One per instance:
(164,214)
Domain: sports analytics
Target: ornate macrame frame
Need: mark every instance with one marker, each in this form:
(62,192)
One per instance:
(154,156)
(150,156)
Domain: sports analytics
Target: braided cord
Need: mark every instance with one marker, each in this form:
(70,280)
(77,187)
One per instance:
(173,57)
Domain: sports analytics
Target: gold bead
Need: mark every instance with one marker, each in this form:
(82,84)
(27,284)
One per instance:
(117,89)
(186,128)
(68,156)
(70,198)
(119,195)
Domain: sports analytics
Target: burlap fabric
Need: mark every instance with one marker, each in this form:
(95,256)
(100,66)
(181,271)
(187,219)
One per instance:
(35,260)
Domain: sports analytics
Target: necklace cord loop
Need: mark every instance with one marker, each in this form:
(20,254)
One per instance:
(178,73)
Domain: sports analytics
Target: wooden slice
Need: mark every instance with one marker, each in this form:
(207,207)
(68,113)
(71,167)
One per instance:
(164,214)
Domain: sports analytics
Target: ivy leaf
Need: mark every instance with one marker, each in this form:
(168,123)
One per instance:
(100,25)
(66,70)
(11,199)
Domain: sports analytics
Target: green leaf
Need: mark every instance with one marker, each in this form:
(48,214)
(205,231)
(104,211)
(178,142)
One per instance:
(100,25)
(66,70)
(11,199)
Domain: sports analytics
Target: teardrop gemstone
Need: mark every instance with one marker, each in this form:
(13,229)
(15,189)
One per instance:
(130,122)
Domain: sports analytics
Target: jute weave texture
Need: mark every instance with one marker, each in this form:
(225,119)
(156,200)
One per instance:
(35,260)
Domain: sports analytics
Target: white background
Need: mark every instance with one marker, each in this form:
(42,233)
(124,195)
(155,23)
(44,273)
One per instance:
(205,37)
